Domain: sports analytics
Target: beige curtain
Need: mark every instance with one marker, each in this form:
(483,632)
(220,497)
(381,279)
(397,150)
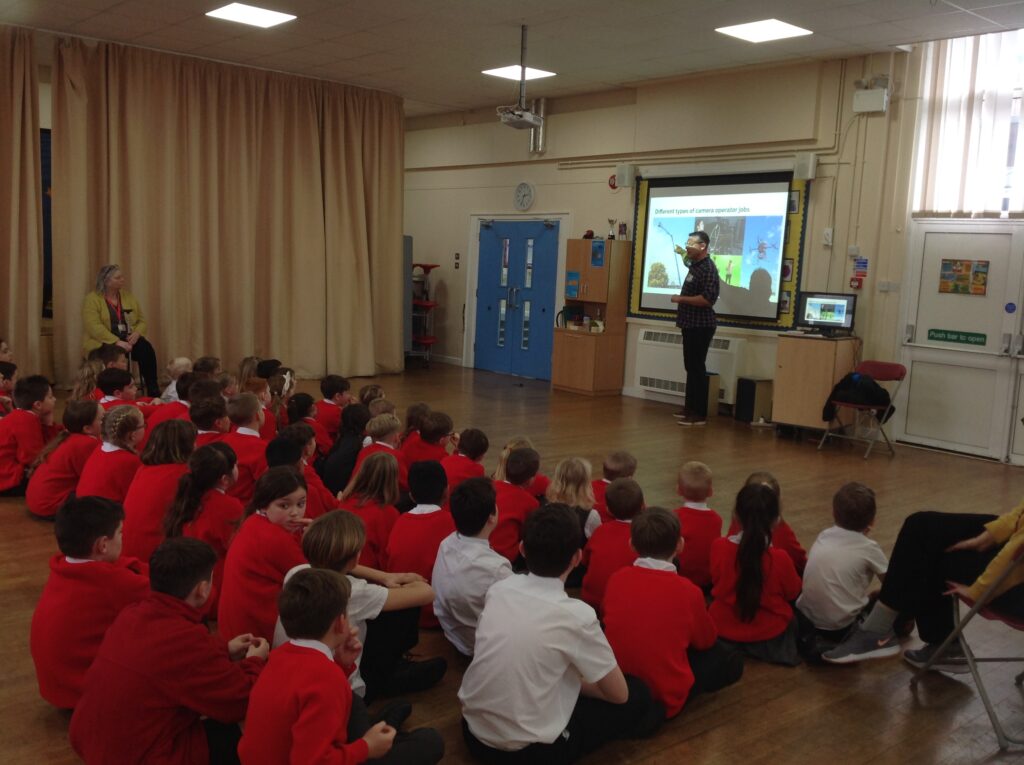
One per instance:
(21,210)
(206,183)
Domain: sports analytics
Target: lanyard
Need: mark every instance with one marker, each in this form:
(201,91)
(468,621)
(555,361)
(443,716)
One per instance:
(117,308)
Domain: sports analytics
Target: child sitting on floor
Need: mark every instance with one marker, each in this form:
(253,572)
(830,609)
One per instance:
(175,369)
(302,408)
(162,688)
(466,566)
(657,623)
(434,436)
(385,430)
(571,486)
(608,549)
(544,685)
(336,396)
(246,415)
(754,582)
(840,569)
(464,462)
(261,389)
(337,470)
(371,392)
(538,486)
(372,495)
(24,432)
(514,501)
(318,499)
(58,467)
(615,465)
(109,471)
(8,379)
(210,416)
(698,523)
(88,586)
(782,536)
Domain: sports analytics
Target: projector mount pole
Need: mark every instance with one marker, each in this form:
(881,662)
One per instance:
(522,68)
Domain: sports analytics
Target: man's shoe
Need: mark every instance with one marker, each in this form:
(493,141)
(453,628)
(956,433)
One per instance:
(693,419)
(953,660)
(861,645)
(681,413)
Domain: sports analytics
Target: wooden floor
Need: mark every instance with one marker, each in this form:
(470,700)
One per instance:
(857,714)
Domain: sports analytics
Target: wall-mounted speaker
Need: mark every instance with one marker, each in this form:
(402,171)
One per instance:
(805,166)
(625,176)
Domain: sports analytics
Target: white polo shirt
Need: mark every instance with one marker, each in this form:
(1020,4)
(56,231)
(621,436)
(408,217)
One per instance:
(840,568)
(464,570)
(533,645)
(365,602)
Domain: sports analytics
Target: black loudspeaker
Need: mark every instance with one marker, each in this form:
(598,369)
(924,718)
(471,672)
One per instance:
(753,400)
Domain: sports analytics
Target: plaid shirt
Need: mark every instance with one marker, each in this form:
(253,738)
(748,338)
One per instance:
(701,280)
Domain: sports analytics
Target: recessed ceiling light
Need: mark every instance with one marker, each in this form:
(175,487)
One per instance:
(764,31)
(513,72)
(251,15)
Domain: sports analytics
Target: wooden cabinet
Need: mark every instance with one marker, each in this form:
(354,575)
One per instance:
(596,283)
(807,367)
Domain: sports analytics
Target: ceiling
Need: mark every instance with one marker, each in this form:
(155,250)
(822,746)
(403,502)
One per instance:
(430,52)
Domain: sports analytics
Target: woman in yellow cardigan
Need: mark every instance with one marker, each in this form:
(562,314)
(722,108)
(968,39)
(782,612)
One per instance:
(112,316)
(935,556)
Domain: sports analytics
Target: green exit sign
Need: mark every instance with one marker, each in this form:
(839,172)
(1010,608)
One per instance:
(955,336)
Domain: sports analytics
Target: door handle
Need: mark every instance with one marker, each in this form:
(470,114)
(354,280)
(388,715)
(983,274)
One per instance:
(1007,342)
(908,335)
(513,295)
(1018,345)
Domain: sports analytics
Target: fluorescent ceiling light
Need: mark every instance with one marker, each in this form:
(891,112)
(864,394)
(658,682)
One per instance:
(251,15)
(764,31)
(513,72)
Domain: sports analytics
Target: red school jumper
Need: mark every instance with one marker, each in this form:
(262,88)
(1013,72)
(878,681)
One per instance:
(250,450)
(781,586)
(260,555)
(651,618)
(298,712)
(417,450)
(783,538)
(216,524)
(176,410)
(54,480)
(79,602)
(323,440)
(209,437)
(157,673)
(459,468)
(319,500)
(378,520)
(146,504)
(269,429)
(147,409)
(514,504)
(606,552)
(413,545)
(108,474)
(22,437)
(377,446)
(698,527)
(600,486)
(328,415)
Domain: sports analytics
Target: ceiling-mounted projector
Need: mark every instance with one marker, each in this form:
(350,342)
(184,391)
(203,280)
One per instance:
(522,119)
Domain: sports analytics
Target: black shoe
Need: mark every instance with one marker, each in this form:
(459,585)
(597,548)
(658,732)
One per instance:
(394,713)
(413,676)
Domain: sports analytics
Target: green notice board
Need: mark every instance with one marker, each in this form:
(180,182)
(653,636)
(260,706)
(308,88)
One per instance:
(956,336)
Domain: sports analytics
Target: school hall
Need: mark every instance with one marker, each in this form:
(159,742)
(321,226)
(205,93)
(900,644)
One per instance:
(252,259)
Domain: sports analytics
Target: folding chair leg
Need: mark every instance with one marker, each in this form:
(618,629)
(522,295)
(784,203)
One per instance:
(828,432)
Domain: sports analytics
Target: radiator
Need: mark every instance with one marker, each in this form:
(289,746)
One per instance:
(659,363)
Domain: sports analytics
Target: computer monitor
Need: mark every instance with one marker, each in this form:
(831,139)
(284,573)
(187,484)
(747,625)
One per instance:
(829,312)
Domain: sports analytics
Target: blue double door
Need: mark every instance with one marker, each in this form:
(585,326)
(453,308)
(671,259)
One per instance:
(515,312)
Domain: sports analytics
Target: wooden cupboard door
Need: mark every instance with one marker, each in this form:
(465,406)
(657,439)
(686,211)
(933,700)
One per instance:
(573,360)
(577,255)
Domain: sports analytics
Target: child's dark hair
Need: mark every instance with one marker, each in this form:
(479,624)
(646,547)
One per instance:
(81,521)
(171,442)
(113,379)
(473,443)
(205,412)
(655,533)
(521,466)
(179,564)
(427,482)
(78,415)
(332,385)
(183,386)
(551,537)
(267,368)
(299,407)
(853,507)
(618,465)
(29,390)
(310,601)
(277,482)
(299,433)
(625,498)
(757,510)
(353,419)
(226,380)
(472,503)
(243,408)
(108,353)
(370,392)
(7,369)
(283,452)
(334,540)
(206,365)
(207,465)
(414,415)
(202,388)
(435,426)
(766,478)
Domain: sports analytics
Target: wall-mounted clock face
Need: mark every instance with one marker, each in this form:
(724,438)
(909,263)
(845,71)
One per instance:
(524,196)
